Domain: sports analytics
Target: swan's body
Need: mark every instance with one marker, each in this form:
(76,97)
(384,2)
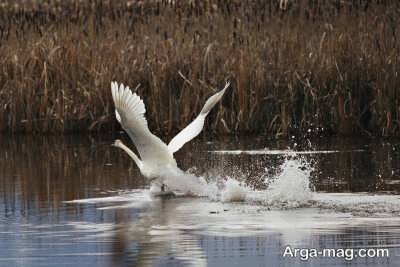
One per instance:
(156,162)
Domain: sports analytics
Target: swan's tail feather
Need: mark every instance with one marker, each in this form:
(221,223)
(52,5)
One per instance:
(213,100)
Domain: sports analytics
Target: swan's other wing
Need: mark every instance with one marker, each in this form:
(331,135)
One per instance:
(129,111)
(195,127)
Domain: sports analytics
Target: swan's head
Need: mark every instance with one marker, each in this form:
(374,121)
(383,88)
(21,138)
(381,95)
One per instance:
(118,143)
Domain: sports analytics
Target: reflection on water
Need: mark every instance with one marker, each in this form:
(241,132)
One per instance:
(78,201)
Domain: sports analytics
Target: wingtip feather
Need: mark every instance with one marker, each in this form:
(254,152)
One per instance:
(213,100)
(127,102)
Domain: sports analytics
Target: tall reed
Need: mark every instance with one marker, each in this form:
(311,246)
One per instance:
(328,66)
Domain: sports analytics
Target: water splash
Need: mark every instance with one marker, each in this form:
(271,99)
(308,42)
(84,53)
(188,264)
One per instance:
(290,189)
(281,152)
(234,191)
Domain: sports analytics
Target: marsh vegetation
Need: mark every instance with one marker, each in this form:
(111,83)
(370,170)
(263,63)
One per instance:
(328,66)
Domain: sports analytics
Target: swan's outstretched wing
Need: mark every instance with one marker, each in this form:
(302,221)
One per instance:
(130,110)
(195,127)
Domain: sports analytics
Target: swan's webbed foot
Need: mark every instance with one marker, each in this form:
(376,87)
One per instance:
(161,191)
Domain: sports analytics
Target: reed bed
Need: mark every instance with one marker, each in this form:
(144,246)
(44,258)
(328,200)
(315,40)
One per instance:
(297,66)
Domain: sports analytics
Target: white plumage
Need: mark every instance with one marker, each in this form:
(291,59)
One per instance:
(156,158)
(195,127)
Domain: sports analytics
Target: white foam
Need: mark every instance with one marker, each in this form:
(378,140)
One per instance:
(99,200)
(233,191)
(291,189)
(137,198)
(359,203)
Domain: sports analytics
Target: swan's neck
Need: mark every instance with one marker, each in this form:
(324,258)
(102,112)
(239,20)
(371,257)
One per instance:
(138,162)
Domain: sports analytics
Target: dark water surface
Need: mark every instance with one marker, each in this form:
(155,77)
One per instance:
(113,221)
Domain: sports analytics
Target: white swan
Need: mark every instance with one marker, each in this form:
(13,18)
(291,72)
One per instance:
(156,161)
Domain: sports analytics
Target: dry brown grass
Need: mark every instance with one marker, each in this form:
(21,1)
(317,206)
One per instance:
(329,66)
